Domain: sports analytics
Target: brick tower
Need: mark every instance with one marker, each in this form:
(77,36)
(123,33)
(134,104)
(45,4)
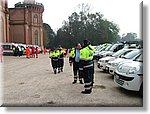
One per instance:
(26,23)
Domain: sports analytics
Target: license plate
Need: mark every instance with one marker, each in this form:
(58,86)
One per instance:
(120,82)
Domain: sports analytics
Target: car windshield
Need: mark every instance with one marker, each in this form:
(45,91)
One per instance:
(98,48)
(101,49)
(107,49)
(118,53)
(113,47)
(131,54)
(121,52)
(139,58)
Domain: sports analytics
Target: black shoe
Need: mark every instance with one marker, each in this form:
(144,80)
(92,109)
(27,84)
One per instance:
(74,82)
(55,72)
(81,82)
(58,71)
(86,92)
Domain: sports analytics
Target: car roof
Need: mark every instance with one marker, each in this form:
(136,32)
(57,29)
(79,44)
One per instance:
(130,49)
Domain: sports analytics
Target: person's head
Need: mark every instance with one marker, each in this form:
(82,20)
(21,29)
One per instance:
(55,50)
(86,42)
(78,45)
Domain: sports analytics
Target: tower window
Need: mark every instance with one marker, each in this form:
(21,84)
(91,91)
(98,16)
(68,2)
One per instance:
(35,19)
(36,37)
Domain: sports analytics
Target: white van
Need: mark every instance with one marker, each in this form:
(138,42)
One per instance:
(8,48)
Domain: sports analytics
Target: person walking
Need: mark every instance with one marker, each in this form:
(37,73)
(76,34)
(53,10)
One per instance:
(71,55)
(75,55)
(27,52)
(44,51)
(1,53)
(36,52)
(54,60)
(14,51)
(22,50)
(19,51)
(61,53)
(33,52)
(86,57)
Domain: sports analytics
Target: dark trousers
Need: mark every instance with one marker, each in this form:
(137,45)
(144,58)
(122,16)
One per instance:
(54,63)
(60,63)
(93,74)
(76,71)
(88,78)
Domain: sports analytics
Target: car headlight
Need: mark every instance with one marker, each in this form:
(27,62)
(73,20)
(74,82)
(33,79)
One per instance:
(133,70)
(115,64)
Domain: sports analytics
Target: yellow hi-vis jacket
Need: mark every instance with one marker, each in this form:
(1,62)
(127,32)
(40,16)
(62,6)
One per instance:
(61,53)
(72,53)
(54,54)
(86,57)
(87,53)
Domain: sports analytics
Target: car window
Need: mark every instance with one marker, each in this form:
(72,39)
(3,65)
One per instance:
(139,58)
(113,47)
(120,47)
(131,54)
(118,53)
(121,52)
(6,47)
(107,49)
(126,52)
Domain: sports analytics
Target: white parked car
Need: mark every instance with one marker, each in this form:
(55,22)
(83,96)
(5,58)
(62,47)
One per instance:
(112,65)
(98,54)
(103,61)
(116,47)
(100,49)
(129,75)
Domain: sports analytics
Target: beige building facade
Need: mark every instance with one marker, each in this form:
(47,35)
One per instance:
(4,21)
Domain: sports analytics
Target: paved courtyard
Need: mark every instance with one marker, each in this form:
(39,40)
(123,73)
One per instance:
(31,82)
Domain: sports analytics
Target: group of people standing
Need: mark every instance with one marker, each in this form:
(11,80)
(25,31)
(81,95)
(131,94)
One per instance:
(57,60)
(18,51)
(32,52)
(81,58)
(83,65)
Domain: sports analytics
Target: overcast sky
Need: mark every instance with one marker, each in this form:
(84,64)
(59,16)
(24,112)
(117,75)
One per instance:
(125,13)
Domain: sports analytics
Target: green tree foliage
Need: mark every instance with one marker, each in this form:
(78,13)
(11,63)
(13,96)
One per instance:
(129,37)
(85,25)
(48,36)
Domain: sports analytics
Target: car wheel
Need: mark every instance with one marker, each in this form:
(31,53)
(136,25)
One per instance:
(141,90)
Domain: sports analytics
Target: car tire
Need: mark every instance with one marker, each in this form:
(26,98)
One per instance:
(141,90)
